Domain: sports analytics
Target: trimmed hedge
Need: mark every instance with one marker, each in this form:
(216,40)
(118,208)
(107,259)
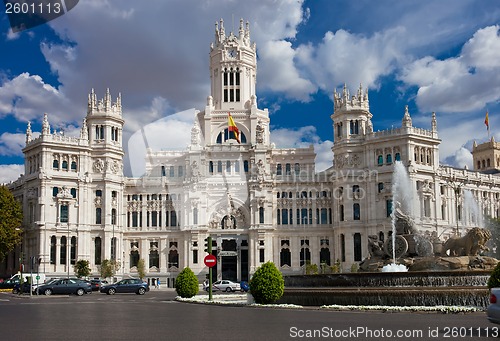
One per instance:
(186,284)
(267,284)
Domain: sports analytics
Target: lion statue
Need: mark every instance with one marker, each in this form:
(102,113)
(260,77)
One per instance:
(471,244)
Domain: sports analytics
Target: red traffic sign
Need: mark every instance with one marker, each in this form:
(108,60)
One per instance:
(210,260)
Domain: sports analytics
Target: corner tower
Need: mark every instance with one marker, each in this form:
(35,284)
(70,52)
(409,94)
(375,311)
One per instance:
(233,65)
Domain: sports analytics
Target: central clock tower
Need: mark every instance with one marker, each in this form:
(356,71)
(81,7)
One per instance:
(233,68)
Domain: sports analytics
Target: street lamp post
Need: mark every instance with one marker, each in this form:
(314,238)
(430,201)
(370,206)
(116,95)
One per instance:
(457,189)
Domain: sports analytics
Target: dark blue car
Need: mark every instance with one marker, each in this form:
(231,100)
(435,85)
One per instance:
(130,285)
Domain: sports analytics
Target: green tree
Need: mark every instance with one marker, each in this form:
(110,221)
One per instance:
(267,284)
(493,224)
(82,268)
(11,217)
(186,284)
(494,280)
(141,268)
(109,268)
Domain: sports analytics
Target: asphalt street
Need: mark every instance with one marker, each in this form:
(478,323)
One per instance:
(157,316)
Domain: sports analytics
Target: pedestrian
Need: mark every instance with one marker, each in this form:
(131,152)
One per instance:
(158,283)
(153,282)
(205,284)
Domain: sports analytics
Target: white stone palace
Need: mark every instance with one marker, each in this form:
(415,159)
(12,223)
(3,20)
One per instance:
(258,202)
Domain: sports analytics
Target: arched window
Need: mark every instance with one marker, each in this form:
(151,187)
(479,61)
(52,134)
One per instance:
(53,243)
(97,250)
(380,160)
(62,253)
(285,257)
(224,136)
(73,192)
(356,214)
(305,253)
(324,256)
(388,158)
(72,253)
(173,259)
(245,166)
(279,169)
(397,157)
(488,163)
(357,247)
(55,164)
(65,165)
(288,169)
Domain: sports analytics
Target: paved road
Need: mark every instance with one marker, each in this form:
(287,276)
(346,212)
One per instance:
(156,316)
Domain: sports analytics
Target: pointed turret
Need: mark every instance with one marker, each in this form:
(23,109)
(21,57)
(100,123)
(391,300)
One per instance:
(84,132)
(45,125)
(434,127)
(406,118)
(29,133)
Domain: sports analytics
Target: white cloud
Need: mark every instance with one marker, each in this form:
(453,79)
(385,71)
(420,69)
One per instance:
(172,132)
(459,84)
(278,72)
(460,159)
(10,173)
(12,144)
(303,138)
(354,59)
(27,97)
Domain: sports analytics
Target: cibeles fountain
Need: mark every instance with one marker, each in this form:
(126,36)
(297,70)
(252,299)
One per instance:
(414,267)
(411,248)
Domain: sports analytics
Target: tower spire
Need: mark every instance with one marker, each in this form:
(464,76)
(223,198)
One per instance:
(29,133)
(406,118)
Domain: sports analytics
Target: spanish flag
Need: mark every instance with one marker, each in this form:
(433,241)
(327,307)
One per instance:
(487,121)
(234,133)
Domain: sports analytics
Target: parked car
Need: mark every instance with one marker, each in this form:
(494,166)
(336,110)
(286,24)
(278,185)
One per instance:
(493,311)
(226,285)
(65,286)
(130,285)
(244,286)
(97,284)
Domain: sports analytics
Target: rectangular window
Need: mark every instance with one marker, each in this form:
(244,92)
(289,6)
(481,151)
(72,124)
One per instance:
(172,171)
(98,212)
(64,214)
(261,256)
(135,219)
(154,218)
(195,256)
(180,171)
(323,216)
(284,216)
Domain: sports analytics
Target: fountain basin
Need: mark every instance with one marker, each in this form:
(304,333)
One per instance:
(452,288)
(409,296)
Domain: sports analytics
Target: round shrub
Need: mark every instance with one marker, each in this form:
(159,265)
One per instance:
(267,284)
(494,280)
(186,284)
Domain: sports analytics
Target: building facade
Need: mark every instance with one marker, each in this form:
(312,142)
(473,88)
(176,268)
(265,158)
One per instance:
(258,202)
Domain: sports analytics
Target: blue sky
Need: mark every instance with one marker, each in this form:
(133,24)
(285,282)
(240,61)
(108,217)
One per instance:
(441,56)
